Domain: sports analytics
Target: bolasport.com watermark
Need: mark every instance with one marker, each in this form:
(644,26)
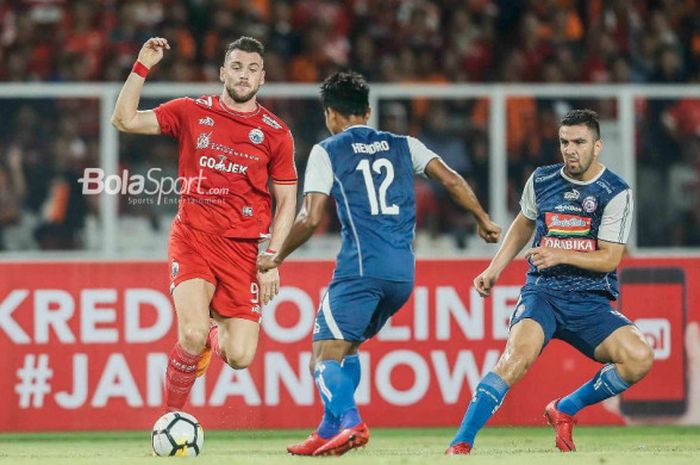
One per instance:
(153,188)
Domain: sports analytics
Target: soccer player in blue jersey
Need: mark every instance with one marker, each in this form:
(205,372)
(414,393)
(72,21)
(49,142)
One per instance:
(370,174)
(580,212)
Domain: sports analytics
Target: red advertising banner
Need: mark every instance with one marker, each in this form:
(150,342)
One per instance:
(85,347)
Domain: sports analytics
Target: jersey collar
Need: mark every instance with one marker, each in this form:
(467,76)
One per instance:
(357,126)
(240,114)
(582,183)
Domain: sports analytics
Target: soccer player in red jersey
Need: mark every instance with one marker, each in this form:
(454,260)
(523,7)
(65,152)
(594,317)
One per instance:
(229,148)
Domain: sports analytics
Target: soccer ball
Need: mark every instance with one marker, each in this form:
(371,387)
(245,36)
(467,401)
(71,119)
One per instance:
(178,434)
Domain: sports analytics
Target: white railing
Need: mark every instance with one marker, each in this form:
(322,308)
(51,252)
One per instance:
(496,93)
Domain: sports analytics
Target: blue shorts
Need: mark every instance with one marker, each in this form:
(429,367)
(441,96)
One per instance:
(355,309)
(581,318)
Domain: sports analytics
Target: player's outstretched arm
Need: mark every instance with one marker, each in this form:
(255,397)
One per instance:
(126,116)
(517,237)
(464,196)
(310,216)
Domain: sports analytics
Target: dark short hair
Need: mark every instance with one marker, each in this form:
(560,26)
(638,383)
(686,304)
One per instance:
(588,118)
(347,93)
(246,44)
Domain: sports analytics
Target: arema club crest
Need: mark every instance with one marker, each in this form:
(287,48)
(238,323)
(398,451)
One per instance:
(589,204)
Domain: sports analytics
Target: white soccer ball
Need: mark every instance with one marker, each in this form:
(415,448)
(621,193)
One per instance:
(177,434)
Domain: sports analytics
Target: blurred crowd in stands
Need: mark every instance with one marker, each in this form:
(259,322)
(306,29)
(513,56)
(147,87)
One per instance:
(393,41)
(44,146)
(387,40)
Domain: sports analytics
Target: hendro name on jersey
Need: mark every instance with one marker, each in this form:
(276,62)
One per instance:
(379,146)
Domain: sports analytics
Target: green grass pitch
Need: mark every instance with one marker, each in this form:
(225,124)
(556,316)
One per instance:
(501,446)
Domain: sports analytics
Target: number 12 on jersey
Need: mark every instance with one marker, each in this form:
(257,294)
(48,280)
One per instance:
(377,203)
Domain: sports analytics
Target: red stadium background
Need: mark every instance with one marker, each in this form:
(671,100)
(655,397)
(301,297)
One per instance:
(84,347)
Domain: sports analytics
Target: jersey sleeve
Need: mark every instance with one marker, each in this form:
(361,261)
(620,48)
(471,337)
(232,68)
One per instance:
(170,116)
(420,155)
(617,218)
(528,202)
(319,172)
(282,168)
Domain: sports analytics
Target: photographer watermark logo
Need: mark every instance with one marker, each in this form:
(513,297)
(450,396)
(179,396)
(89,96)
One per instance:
(159,189)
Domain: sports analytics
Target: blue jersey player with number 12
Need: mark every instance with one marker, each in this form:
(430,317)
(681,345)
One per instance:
(370,174)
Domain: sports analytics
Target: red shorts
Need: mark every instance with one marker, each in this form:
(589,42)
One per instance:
(229,264)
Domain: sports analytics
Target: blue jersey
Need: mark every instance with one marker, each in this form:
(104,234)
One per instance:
(574,215)
(370,173)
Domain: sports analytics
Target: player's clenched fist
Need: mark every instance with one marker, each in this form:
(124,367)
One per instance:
(489,231)
(152,51)
(484,282)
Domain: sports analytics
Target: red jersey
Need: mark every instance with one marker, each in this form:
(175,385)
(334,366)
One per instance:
(226,160)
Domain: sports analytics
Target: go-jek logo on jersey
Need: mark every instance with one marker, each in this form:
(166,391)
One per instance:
(223,165)
(561,224)
(570,243)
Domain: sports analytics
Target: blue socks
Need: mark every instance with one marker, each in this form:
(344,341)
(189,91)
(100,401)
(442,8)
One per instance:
(351,367)
(487,398)
(607,383)
(333,380)
(492,389)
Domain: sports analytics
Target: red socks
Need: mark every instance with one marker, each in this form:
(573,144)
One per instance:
(182,371)
(213,342)
(179,377)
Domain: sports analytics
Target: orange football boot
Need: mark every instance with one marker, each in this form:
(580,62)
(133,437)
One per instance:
(563,426)
(347,439)
(308,446)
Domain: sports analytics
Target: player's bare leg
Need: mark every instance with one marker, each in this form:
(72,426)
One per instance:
(629,359)
(238,340)
(629,351)
(522,349)
(332,350)
(191,300)
(524,344)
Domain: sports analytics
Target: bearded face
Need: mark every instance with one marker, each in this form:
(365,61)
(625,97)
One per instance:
(242,75)
(242,92)
(579,149)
